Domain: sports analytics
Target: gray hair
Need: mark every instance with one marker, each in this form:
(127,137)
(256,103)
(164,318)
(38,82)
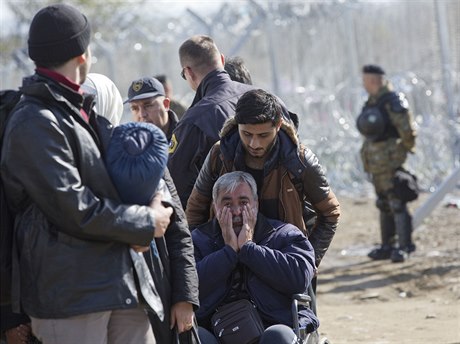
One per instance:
(229,182)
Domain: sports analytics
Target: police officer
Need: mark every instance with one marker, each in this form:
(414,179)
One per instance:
(215,100)
(387,126)
(148,103)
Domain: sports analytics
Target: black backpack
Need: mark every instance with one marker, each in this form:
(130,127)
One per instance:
(8,100)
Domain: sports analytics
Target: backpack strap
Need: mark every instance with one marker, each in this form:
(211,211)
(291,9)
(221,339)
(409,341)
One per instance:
(8,100)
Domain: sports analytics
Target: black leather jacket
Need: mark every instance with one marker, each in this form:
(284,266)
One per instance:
(72,234)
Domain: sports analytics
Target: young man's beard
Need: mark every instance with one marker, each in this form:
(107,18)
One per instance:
(266,151)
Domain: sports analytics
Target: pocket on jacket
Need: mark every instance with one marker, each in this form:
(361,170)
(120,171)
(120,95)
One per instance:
(384,156)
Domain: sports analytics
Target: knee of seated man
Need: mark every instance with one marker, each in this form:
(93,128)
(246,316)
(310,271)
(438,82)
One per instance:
(278,334)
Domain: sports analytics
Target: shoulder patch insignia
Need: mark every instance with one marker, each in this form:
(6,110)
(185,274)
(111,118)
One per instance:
(399,103)
(172,144)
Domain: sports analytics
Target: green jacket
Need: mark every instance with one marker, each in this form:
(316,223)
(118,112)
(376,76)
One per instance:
(385,156)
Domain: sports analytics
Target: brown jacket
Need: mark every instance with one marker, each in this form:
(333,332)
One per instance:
(279,198)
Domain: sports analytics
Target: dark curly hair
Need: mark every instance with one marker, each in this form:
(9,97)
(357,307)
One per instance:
(258,106)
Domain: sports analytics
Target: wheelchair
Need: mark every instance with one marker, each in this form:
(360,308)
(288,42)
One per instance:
(302,335)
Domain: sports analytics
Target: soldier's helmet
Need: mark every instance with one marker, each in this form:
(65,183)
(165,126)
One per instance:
(371,123)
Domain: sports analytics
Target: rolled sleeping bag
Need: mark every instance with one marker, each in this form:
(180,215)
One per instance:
(136,159)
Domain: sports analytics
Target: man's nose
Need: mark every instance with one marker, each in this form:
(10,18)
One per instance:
(254,142)
(142,113)
(236,210)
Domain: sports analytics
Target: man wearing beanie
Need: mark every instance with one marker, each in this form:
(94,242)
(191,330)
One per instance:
(72,270)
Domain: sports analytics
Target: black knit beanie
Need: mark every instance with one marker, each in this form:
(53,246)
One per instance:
(58,33)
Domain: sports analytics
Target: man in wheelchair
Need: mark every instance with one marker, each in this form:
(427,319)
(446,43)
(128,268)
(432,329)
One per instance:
(242,255)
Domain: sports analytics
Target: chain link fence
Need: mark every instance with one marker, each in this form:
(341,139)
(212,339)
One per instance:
(310,54)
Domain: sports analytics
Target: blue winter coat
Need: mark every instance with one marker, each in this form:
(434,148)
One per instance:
(278,263)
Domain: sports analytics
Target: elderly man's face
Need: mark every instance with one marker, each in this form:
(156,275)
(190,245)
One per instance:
(235,201)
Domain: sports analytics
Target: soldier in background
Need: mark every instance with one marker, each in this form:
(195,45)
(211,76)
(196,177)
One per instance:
(387,126)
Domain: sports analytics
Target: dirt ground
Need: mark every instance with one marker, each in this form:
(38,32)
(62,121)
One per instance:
(364,301)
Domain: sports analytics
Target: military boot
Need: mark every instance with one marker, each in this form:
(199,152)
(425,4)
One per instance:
(381,253)
(403,224)
(387,234)
(387,228)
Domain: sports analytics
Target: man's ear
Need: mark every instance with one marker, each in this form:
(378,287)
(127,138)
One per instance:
(166,103)
(222,58)
(81,59)
(191,73)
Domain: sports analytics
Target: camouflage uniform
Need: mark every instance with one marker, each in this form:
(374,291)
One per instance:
(382,156)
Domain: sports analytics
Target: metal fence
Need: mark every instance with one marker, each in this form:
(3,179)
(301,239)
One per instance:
(310,54)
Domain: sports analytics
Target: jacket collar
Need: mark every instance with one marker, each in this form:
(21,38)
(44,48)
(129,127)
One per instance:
(54,93)
(210,82)
(173,120)
(43,87)
(263,229)
(59,78)
(386,87)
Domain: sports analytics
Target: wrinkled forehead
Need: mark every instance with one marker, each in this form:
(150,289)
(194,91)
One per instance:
(238,192)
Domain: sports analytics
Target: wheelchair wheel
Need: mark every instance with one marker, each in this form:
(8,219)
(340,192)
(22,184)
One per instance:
(314,338)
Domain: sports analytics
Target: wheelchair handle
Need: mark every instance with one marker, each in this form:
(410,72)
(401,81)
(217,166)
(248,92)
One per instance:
(304,298)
